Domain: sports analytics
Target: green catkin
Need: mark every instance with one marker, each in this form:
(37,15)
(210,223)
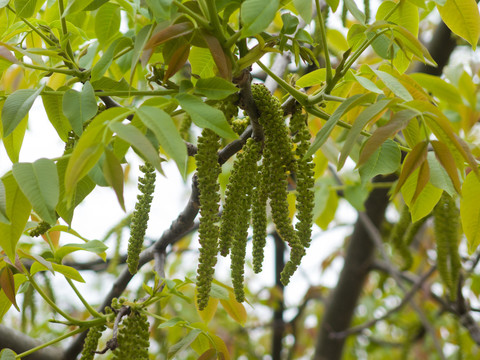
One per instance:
(40,229)
(235,230)
(146,186)
(446,224)
(229,107)
(208,171)
(259,222)
(240,125)
(413,230)
(397,237)
(305,178)
(185,127)
(366,5)
(91,342)
(240,185)
(133,338)
(278,160)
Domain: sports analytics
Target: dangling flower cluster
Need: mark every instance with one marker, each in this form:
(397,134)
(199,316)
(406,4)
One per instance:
(236,211)
(240,125)
(208,171)
(278,161)
(91,342)
(397,237)
(146,186)
(446,224)
(40,229)
(133,338)
(185,127)
(229,107)
(304,176)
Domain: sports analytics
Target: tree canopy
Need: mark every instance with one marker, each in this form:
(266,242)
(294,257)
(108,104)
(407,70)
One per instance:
(277,115)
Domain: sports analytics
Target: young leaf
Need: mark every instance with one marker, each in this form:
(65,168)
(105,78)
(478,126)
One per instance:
(169,33)
(113,172)
(53,108)
(412,161)
(161,124)
(447,160)
(7,354)
(426,200)
(384,160)
(257,15)
(178,59)
(438,87)
(80,107)
(202,62)
(315,77)
(3,205)
(215,88)
(223,63)
(177,348)
(235,309)
(16,107)
(39,182)
(13,142)
(205,116)
(18,210)
(438,176)
(106,60)
(397,123)
(304,9)
(361,121)
(140,41)
(422,180)
(344,107)
(68,272)
(352,7)
(470,211)
(133,136)
(7,284)
(25,8)
(93,246)
(463,18)
(107,22)
(394,85)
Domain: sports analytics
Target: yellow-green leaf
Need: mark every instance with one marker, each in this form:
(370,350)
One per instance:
(235,309)
(470,211)
(463,18)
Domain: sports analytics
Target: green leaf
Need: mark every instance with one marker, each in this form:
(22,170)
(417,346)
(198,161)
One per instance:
(160,9)
(368,84)
(133,136)
(53,108)
(257,15)
(39,182)
(7,354)
(447,161)
(94,5)
(172,322)
(344,107)
(215,88)
(438,87)
(463,18)
(140,40)
(7,284)
(16,107)
(107,22)
(205,116)
(68,272)
(162,125)
(304,9)
(361,121)
(3,205)
(113,173)
(93,246)
(106,60)
(5,305)
(333,4)
(177,348)
(470,211)
(13,142)
(202,62)
(394,85)
(356,196)
(412,161)
(90,148)
(25,8)
(399,121)
(438,176)
(18,210)
(406,15)
(352,7)
(235,309)
(80,107)
(315,77)
(384,160)
(425,201)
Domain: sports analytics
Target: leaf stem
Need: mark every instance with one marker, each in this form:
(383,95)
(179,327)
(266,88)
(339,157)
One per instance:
(297,95)
(215,21)
(90,309)
(323,34)
(123,52)
(51,342)
(200,19)
(68,47)
(72,72)
(120,93)
(232,39)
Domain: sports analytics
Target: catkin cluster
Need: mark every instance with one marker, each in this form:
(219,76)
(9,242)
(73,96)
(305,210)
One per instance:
(91,342)
(146,187)
(133,338)
(259,175)
(446,224)
(208,171)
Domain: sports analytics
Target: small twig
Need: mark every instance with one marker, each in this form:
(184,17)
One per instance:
(406,299)
(244,81)
(112,343)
